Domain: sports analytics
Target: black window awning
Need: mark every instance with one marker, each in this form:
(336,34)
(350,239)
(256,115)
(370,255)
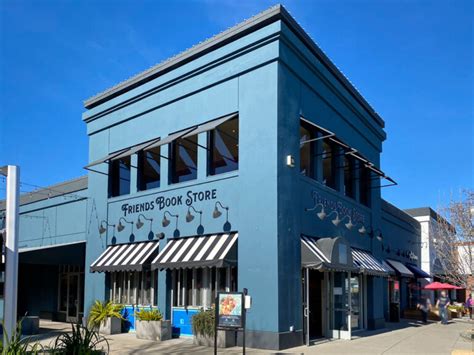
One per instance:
(126,257)
(106,158)
(400,268)
(172,137)
(418,272)
(368,264)
(209,126)
(217,250)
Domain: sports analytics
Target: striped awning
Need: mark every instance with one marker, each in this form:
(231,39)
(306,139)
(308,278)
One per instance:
(368,264)
(215,250)
(126,257)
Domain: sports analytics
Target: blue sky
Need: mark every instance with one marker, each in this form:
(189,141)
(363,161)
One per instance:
(412,60)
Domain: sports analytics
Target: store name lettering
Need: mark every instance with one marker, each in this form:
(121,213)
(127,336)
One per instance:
(162,202)
(339,207)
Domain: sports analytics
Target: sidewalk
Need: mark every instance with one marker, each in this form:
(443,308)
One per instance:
(406,337)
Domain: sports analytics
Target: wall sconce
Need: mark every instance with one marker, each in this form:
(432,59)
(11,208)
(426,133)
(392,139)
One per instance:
(160,235)
(336,220)
(140,224)
(166,222)
(121,227)
(190,216)
(321,214)
(103,229)
(362,230)
(216,213)
(373,233)
(349,224)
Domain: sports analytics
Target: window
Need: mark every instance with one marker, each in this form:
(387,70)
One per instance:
(364,186)
(119,177)
(224,147)
(149,169)
(306,150)
(328,155)
(134,288)
(183,161)
(348,176)
(199,287)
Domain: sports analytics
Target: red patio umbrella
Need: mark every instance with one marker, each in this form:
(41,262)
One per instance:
(440,286)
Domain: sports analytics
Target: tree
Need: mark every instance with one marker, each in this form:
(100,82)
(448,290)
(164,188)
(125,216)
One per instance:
(453,239)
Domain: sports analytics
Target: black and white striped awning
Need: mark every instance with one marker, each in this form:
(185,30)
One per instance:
(217,250)
(126,257)
(368,264)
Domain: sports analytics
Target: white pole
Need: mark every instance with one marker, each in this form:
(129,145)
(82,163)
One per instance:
(11,250)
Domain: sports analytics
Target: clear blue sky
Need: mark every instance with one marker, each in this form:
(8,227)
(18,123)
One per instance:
(412,60)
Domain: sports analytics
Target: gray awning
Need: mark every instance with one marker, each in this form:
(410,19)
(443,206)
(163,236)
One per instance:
(136,148)
(401,269)
(172,137)
(208,126)
(126,257)
(323,254)
(106,158)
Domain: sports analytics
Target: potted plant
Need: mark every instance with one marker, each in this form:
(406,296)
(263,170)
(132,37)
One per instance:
(203,329)
(150,325)
(106,317)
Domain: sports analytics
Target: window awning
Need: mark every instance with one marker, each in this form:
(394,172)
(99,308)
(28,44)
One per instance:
(106,158)
(400,268)
(322,254)
(136,148)
(208,126)
(216,250)
(419,273)
(368,264)
(172,137)
(126,257)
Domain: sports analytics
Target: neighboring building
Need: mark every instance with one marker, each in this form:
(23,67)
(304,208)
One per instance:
(247,161)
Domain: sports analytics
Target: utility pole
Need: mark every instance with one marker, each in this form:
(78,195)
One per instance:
(12,173)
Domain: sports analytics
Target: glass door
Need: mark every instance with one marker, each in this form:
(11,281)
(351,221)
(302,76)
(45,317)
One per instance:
(356,303)
(341,308)
(73,298)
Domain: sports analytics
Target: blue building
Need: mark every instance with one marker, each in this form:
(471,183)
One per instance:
(248,161)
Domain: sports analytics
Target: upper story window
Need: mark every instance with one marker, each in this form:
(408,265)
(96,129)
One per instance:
(307,150)
(224,147)
(119,177)
(149,169)
(329,169)
(349,180)
(365,186)
(183,159)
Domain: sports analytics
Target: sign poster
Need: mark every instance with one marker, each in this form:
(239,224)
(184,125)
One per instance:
(230,310)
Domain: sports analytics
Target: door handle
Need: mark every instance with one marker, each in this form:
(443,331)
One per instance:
(306,312)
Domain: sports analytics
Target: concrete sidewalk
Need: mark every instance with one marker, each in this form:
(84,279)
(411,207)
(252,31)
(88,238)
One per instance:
(406,337)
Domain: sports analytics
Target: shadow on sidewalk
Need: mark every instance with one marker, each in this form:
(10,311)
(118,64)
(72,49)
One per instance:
(391,326)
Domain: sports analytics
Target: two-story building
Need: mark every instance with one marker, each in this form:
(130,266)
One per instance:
(248,161)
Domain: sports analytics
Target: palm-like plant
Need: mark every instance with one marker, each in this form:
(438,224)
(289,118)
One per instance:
(100,311)
(82,341)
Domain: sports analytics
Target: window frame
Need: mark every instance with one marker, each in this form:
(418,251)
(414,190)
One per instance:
(142,158)
(115,176)
(173,151)
(211,169)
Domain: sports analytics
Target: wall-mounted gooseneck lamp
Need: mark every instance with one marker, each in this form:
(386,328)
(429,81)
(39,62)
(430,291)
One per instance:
(103,229)
(121,227)
(362,230)
(190,216)
(166,222)
(217,213)
(379,236)
(336,220)
(140,224)
(321,214)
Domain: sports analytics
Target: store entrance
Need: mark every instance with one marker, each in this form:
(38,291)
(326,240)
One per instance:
(313,305)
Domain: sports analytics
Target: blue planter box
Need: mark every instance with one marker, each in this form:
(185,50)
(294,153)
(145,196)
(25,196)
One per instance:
(182,321)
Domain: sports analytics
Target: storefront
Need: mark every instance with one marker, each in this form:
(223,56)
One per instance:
(250,162)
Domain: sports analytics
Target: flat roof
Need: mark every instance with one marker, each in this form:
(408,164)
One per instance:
(55,190)
(273,14)
(425,212)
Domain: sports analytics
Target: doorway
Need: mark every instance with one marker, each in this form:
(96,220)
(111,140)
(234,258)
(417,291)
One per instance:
(314,309)
(71,291)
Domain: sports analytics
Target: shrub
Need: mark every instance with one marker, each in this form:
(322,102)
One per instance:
(149,315)
(16,345)
(100,311)
(82,341)
(203,323)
